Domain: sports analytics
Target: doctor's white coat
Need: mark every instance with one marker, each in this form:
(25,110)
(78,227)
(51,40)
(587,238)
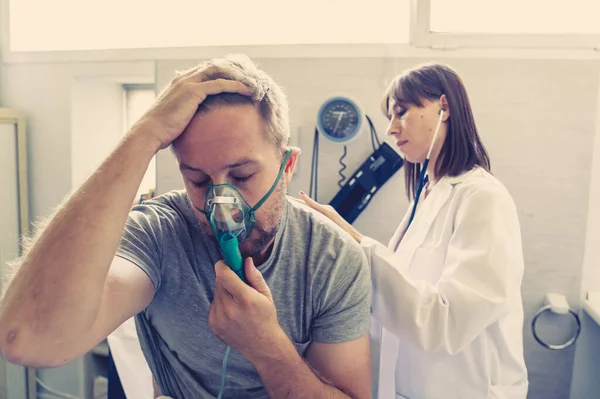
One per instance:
(447,305)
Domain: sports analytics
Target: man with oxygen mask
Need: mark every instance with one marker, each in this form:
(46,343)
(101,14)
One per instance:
(232,219)
(283,316)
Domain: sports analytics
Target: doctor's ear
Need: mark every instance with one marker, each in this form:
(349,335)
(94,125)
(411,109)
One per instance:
(444,108)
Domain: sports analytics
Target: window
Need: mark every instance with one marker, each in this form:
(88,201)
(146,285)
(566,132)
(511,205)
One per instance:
(41,25)
(138,98)
(515,16)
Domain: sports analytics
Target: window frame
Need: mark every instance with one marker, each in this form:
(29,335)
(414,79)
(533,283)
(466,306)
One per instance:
(447,40)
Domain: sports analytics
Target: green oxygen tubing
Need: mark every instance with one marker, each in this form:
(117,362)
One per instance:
(231,252)
(233,257)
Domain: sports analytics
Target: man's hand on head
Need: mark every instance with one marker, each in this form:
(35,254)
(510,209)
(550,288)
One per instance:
(177,104)
(244,315)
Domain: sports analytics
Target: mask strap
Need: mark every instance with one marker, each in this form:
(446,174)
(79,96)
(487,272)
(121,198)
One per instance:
(263,199)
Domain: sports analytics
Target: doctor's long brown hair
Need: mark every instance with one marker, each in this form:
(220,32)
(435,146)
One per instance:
(462,150)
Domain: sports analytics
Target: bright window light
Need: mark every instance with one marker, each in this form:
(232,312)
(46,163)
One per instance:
(515,16)
(42,25)
(137,101)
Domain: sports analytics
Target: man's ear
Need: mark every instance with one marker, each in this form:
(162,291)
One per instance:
(290,167)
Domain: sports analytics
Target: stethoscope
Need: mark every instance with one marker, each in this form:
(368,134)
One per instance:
(424,178)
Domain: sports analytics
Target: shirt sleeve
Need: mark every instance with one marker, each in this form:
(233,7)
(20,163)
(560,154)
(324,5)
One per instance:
(140,241)
(345,300)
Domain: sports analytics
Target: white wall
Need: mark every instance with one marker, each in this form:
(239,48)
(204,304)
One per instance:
(47,93)
(585,383)
(591,264)
(43,93)
(96,124)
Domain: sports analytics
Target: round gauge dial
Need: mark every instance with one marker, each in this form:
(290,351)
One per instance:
(339,119)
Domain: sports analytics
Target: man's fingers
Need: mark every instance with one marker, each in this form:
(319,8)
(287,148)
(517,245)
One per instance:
(213,72)
(196,74)
(208,73)
(256,279)
(186,73)
(201,90)
(228,281)
(220,290)
(217,86)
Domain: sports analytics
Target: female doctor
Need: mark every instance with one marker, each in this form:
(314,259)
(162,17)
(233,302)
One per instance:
(447,289)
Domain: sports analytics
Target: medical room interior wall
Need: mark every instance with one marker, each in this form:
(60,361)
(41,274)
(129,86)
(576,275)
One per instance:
(537,119)
(585,383)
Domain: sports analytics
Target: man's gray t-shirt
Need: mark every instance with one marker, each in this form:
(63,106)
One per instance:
(318,276)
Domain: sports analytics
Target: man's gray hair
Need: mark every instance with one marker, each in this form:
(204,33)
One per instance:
(268,95)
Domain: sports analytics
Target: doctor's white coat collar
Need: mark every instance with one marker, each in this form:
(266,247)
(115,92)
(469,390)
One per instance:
(425,216)
(453,180)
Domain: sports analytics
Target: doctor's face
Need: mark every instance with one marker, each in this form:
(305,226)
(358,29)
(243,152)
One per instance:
(413,127)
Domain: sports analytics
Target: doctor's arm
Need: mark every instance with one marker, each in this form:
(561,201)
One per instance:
(482,270)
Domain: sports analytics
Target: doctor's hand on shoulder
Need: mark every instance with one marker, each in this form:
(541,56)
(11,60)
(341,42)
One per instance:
(331,213)
(175,107)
